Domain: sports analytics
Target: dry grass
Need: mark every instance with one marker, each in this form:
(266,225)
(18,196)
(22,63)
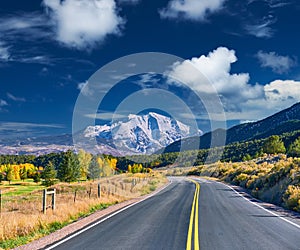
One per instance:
(22,215)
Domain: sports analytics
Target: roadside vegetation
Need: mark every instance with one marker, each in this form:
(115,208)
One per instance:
(275,179)
(76,179)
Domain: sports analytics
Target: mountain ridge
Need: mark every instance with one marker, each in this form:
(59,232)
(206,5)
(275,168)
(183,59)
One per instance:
(284,121)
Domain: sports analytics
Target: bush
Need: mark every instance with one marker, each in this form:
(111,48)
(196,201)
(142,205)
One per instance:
(291,198)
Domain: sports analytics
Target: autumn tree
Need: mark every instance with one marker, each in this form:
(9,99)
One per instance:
(84,159)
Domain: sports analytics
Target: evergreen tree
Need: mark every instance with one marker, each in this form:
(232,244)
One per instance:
(69,169)
(274,145)
(94,169)
(294,148)
(49,174)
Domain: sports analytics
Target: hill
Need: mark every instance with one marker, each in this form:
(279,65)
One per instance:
(285,121)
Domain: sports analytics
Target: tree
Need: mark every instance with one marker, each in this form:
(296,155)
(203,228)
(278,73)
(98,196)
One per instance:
(84,159)
(294,148)
(94,169)
(49,175)
(274,145)
(10,175)
(1,177)
(23,173)
(69,169)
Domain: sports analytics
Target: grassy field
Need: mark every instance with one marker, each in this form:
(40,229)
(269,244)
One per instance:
(19,187)
(22,219)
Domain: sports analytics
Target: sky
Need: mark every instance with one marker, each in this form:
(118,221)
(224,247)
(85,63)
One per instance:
(248,50)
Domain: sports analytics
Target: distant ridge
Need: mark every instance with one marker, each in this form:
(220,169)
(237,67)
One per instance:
(285,121)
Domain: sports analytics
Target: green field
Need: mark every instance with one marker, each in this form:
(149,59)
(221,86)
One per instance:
(19,187)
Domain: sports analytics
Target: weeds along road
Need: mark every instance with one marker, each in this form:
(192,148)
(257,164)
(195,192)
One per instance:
(186,215)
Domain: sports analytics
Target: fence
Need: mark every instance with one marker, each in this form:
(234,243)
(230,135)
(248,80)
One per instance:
(108,189)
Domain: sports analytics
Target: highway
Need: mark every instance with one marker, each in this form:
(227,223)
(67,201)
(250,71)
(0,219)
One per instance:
(186,215)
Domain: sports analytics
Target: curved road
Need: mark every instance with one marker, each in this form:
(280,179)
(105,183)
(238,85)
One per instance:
(226,221)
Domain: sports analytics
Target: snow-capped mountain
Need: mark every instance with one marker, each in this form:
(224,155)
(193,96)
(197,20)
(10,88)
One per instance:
(141,133)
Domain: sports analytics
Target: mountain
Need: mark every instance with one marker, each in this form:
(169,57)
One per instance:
(140,134)
(285,121)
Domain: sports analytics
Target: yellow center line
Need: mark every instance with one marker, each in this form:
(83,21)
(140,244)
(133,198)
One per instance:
(194,220)
(196,232)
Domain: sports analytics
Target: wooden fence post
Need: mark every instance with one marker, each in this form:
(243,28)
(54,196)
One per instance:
(45,193)
(44,200)
(75,195)
(53,199)
(99,190)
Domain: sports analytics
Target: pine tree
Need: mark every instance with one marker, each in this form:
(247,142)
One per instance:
(294,148)
(49,175)
(94,169)
(69,169)
(274,145)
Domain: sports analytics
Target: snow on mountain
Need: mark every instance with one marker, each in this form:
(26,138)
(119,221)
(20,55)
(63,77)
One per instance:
(141,133)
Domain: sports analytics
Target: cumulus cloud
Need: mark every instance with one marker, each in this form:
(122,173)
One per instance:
(83,24)
(191,9)
(279,64)
(242,100)
(283,91)
(216,66)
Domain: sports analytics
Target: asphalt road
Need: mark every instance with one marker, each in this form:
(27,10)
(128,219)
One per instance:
(226,221)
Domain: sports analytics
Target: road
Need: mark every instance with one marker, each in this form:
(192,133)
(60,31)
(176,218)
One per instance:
(169,220)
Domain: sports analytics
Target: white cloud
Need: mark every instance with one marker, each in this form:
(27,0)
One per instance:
(83,24)
(191,9)
(4,52)
(262,29)
(241,99)
(14,98)
(3,103)
(84,88)
(283,91)
(216,66)
(279,64)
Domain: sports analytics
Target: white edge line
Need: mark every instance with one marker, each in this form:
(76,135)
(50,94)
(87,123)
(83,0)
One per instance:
(104,219)
(254,203)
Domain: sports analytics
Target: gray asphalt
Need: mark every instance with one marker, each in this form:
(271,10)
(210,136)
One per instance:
(160,222)
(226,221)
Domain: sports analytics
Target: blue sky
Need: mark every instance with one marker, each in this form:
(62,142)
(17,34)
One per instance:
(249,50)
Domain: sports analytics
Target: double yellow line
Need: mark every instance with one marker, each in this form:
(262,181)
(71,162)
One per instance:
(194,219)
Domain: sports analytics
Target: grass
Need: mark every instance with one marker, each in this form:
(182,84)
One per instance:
(22,220)
(19,187)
